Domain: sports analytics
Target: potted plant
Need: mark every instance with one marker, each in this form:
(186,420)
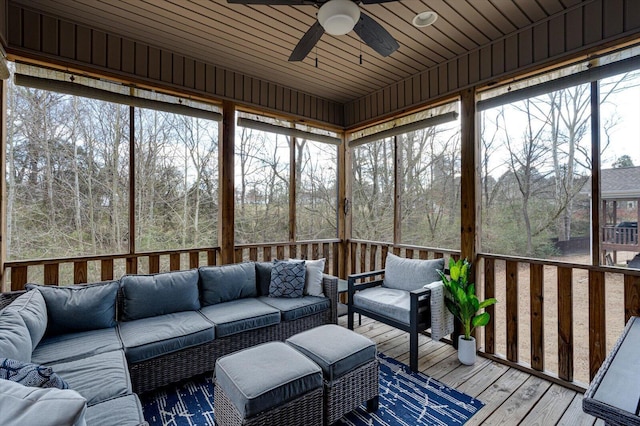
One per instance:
(462,302)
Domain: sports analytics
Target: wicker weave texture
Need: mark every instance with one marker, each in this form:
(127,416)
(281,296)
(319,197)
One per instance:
(188,362)
(7,298)
(302,411)
(613,416)
(349,391)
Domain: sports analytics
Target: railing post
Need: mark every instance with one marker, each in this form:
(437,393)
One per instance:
(597,322)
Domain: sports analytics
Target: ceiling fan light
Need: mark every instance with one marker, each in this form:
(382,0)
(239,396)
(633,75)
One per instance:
(338,17)
(424,19)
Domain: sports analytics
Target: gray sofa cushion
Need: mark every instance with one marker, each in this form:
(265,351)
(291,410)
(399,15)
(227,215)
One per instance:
(33,310)
(159,294)
(15,340)
(220,284)
(122,411)
(336,360)
(26,405)
(287,278)
(410,274)
(240,315)
(252,383)
(79,308)
(30,374)
(148,338)
(98,377)
(263,277)
(390,302)
(71,346)
(292,309)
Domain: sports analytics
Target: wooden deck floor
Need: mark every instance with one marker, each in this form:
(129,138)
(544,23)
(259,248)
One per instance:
(511,397)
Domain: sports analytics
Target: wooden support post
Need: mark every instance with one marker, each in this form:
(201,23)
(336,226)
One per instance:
(469,194)
(226,212)
(596,205)
(512,311)
(344,208)
(292,189)
(469,187)
(132,191)
(397,192)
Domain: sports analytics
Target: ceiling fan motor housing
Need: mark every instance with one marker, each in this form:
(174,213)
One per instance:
(338,17)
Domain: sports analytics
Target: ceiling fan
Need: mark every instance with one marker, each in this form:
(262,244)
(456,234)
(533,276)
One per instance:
(337,17)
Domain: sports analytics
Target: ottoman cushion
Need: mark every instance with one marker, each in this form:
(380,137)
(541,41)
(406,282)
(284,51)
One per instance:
(265,376)
(335,349)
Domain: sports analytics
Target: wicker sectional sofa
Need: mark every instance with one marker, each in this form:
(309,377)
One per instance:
(112,340)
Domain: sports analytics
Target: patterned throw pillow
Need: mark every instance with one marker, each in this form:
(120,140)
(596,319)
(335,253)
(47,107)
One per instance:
(287,279)
(29,374)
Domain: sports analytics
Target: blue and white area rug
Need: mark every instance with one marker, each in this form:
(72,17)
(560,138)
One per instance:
(406,399)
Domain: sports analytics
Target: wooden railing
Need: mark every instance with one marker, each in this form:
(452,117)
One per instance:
(87,269)
(620,235)
(555,319)
(371,255)
(316,249)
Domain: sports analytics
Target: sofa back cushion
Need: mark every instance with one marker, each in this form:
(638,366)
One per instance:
(33,310)
(79,307)
(15,340)
(410,274)
(263,277)
(158,294)
(228,282)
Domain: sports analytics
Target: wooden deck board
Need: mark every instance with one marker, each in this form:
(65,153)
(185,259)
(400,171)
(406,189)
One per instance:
(510,396)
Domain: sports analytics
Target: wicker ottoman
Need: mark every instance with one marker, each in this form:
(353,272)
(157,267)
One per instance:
(268,384)
(349,366)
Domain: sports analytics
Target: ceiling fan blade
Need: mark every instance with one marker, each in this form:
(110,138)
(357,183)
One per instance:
(306,43)
(274,2)
(375,36)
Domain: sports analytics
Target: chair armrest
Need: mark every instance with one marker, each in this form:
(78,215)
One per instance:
(420,304)
(365,275)
(330,289)
(419,294)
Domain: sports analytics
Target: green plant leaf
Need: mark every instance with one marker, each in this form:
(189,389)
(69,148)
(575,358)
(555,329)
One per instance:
(454,272)
(480,320)
(487,302)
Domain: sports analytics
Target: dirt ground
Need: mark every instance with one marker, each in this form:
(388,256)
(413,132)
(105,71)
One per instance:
(614,313)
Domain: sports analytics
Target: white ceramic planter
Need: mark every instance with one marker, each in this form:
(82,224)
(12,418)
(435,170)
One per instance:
(467,350)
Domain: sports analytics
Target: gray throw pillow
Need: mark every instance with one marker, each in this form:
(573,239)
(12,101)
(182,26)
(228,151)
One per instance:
(79,307)
(410,274)
(159,294)
(287,279)
(29,374)
(313,277)
(33,310)
(227,282)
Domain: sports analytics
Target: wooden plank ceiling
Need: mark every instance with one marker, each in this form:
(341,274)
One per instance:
(256,40)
